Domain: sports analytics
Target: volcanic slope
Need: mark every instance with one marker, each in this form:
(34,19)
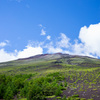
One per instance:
(52,77)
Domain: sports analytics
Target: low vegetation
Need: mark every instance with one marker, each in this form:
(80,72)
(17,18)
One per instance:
(51,80)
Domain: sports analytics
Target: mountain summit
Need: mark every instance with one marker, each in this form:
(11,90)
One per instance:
(57,57)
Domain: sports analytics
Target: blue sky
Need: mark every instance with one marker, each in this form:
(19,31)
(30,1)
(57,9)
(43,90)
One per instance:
(30,27)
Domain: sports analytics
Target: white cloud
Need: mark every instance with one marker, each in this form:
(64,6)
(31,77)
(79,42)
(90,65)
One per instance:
(43,32)
(89,45)
(78,48)
(64,41)
(30,51)
(90,37)
(5,56)
(51,49)
(27,52)
(48,37)
(61,45)
(3,44)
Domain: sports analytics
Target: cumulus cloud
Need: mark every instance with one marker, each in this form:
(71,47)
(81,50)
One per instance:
(89,44)
(43,32)
(30,51)
(54,50)
(2,44)
(5,56)
(60,45)
(51,48)
(48,37)
(90,36)
(64,41)
(27,52)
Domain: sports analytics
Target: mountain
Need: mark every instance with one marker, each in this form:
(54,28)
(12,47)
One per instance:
(55,58)
(51,76)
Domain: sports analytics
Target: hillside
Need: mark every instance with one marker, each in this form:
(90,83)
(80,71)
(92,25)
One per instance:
(52,77)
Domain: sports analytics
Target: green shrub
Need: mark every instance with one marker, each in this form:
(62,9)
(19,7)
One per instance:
(58,91)
(2,90)
(24,91)
(59,98)
(74,96)
(36,89)
(35,93)
(65,84)
(8,94)
(61,84)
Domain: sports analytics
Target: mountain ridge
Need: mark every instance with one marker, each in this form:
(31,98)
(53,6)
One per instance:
(58,57)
